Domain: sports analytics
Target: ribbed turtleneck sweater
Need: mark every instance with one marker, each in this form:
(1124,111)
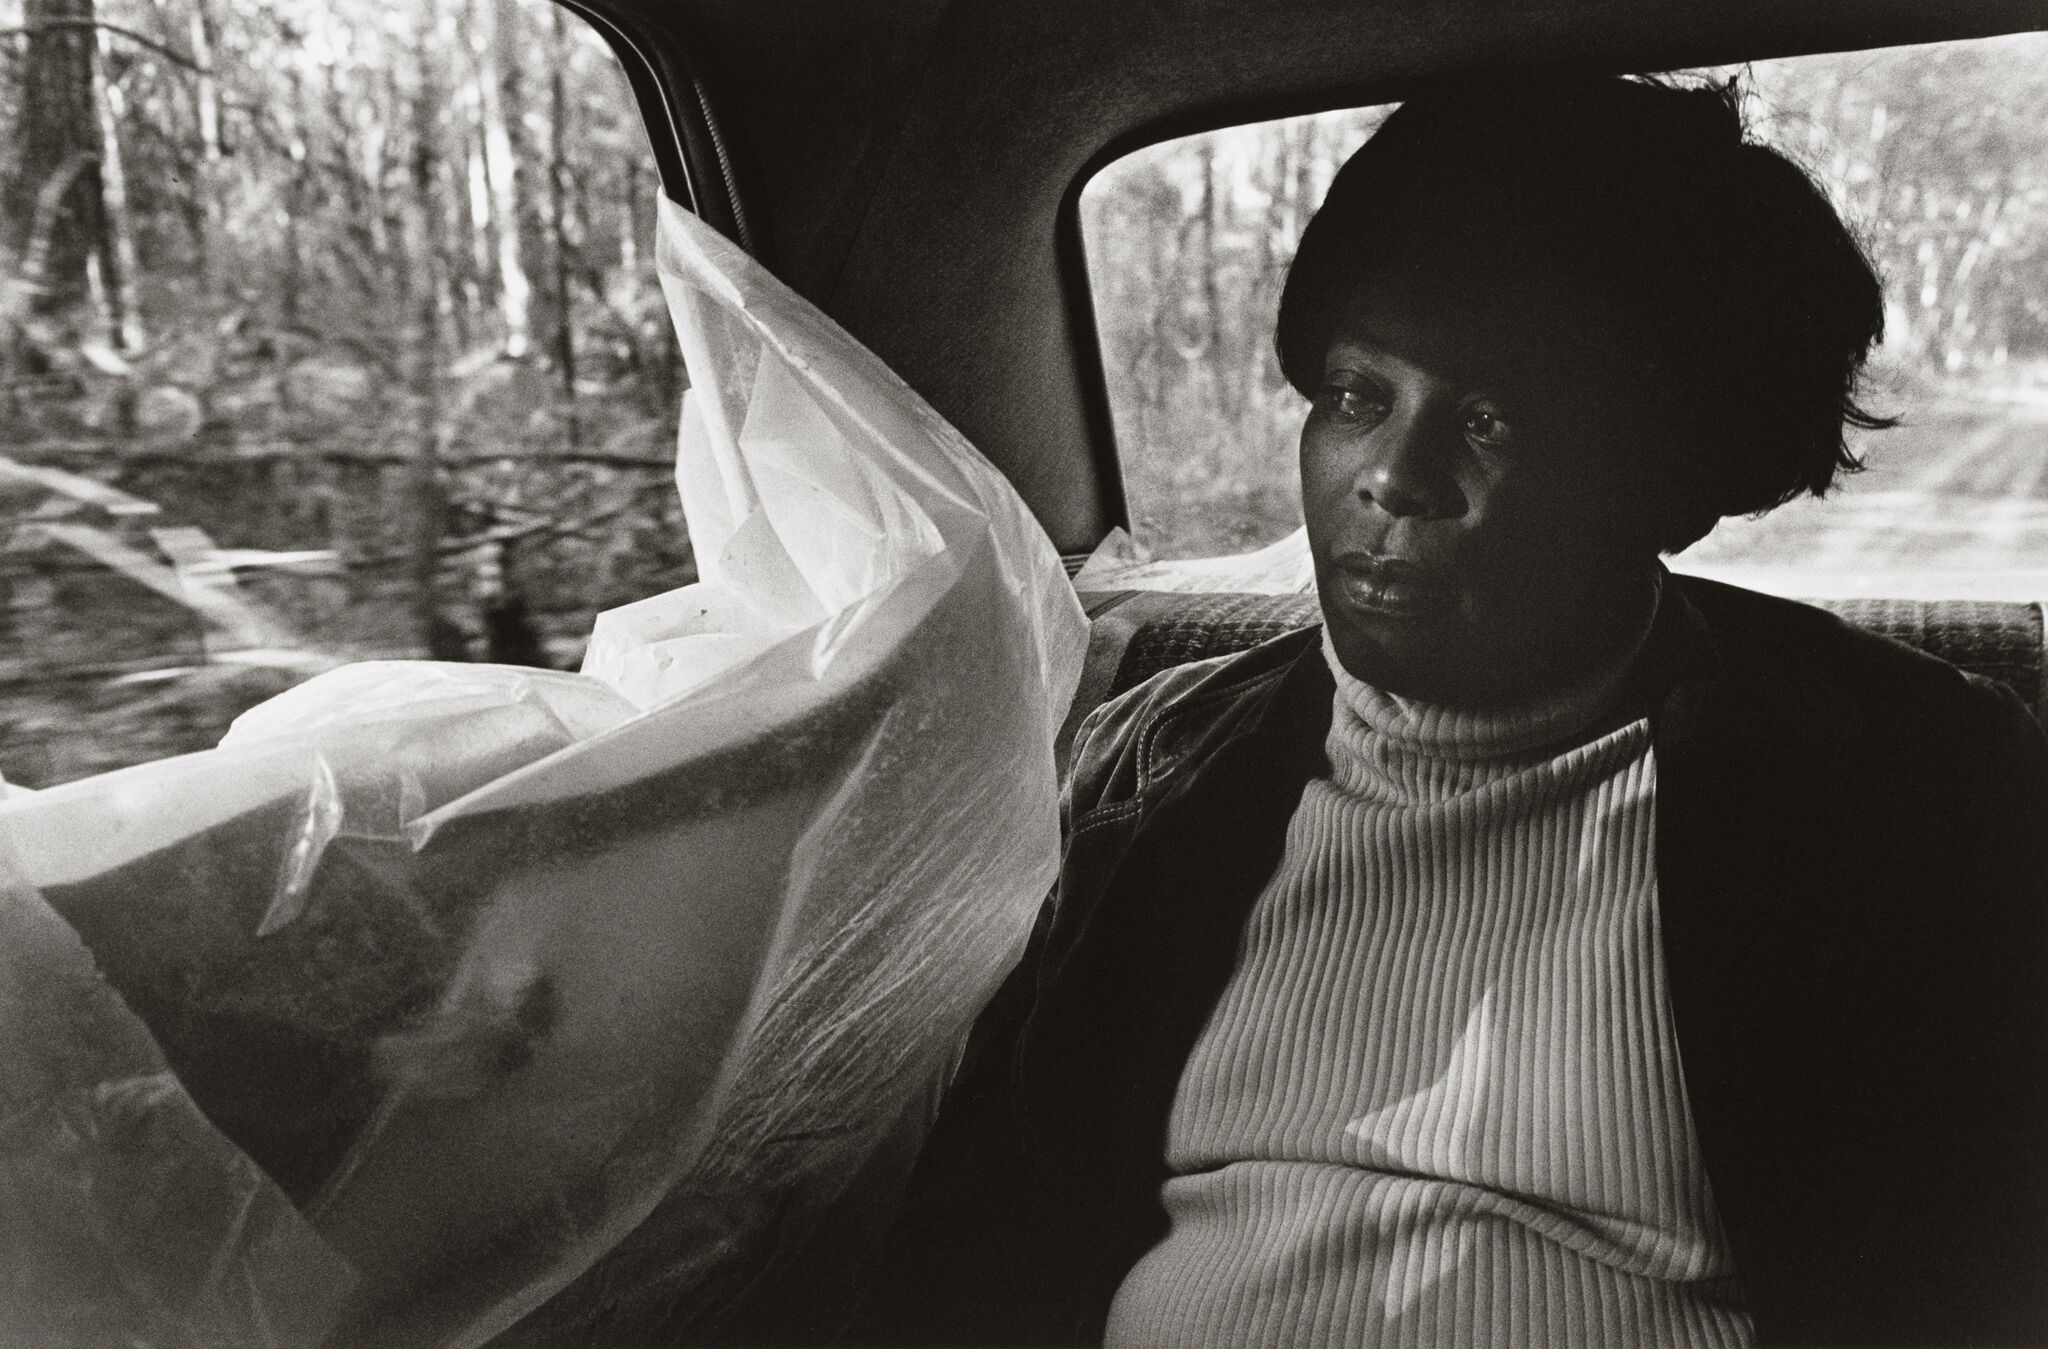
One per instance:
(1439,1102)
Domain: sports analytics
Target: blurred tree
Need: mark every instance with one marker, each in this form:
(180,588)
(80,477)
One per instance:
(559,246)
(333,281)
(423,282)
(116,247)
(496,67)
(61,229)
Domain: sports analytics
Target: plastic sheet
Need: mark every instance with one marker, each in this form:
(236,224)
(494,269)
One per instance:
(482,966)
(125,1218)
(1283,567)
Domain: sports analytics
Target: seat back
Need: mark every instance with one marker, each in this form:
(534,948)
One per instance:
(1138,633)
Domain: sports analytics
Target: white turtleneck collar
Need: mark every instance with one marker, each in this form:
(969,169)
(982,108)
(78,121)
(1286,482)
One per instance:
(1391,748)
(1452,732)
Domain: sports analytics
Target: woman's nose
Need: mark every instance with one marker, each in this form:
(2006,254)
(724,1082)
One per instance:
(1406,472)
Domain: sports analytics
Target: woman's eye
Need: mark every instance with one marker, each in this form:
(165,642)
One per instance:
(1350,403)
(1486,426)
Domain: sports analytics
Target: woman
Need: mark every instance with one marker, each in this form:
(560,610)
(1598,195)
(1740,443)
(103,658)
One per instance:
(1547,949)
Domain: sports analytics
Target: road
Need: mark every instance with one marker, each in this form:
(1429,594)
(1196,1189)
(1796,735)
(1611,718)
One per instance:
(1954,502)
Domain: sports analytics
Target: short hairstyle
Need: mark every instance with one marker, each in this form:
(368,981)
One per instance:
(1751,305)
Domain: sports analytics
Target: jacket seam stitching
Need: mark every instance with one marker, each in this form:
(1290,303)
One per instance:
(1101,815)
(1149,737)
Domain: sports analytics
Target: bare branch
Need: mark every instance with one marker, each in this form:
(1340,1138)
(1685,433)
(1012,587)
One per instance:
(115,29)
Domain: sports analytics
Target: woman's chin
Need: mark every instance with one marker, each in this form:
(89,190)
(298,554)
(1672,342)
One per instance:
(1399,653)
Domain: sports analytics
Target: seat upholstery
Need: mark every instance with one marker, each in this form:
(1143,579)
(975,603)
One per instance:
(2000,640)
(1139,633)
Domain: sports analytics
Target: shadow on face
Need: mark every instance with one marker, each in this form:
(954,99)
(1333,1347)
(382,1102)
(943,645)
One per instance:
(1484,481)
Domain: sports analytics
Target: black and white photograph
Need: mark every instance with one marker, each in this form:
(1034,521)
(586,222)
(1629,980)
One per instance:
(911,674)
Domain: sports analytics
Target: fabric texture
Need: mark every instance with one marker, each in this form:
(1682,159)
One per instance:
(1852,874)
(1189,628)
(2001,640)
(1998,639)
(1398,1127)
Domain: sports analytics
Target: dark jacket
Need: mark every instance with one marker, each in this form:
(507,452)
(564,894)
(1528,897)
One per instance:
(1852,865)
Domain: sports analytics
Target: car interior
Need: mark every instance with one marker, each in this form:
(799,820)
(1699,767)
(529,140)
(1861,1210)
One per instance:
(919,171)
(914,167)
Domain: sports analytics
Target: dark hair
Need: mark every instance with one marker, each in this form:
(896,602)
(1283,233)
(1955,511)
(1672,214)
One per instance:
(1751,305)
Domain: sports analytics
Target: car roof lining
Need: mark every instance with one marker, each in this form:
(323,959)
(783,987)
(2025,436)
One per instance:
(913,165)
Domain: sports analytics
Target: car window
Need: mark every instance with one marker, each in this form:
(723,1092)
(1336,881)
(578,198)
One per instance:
(332,332)
(1938,155)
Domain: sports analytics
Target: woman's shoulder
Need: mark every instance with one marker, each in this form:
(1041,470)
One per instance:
(1134,741)
(1819,670)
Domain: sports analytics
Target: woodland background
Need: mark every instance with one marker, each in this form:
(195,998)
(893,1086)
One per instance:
(1937,155)
(330,331)
(350,311)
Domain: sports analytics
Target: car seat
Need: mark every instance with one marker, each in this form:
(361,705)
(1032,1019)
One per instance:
(1138,633)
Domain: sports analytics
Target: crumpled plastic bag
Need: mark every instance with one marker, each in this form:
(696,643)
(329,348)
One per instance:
(1283,567)
(125,1218)
(480,964)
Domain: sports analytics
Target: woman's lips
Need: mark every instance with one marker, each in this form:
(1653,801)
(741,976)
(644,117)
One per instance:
(1389,587)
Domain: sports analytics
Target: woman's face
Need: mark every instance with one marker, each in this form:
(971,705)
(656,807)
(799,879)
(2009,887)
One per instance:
(1480,484)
